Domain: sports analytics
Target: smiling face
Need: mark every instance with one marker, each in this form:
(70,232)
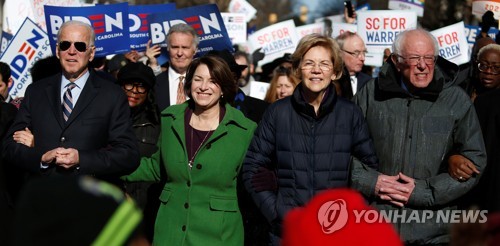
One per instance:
(420,75)
(181,50)
(134,97)
(204,90)
(317,70)
(74,63)
(284,87)
(488,78)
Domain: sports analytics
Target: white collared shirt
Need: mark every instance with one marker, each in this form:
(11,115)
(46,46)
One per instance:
(75,92)
(354,84)
(173,84)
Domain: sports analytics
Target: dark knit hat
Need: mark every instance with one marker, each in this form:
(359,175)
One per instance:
(74,211)
(137,72)
(328,219)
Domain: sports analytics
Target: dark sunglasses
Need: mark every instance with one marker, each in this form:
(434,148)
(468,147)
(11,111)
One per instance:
(80,46)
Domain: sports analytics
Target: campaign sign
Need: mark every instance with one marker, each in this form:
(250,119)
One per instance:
(453,45)
(110,25)
(243,7)
(379,28)
(259,89)
(479,7)
(29,45)
(236,27)
(331,18)
(205,19)
(40,13)
(471,33)
(6,38)
(412,5)
(139,25)
(311,28)
(339,28)
(274,40)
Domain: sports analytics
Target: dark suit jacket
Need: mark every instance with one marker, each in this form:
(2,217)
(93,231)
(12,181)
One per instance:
(345,83)
(162,92)
(99,128)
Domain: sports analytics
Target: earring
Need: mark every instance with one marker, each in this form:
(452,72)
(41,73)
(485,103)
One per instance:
(221,95)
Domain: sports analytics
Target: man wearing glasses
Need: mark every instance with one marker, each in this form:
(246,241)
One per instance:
(417,118)
(80,122)
(353,53)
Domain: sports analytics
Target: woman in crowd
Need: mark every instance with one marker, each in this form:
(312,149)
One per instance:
(137,81)
(307,138)
(282,84)
(202,145)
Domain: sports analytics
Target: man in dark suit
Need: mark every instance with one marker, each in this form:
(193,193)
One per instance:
(182,42)
(353,53)
(80,122)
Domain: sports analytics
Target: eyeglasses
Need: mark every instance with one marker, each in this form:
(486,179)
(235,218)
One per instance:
(484,68)
(139,88)
(80,46)
(414,60)
(356,53)
(324,66)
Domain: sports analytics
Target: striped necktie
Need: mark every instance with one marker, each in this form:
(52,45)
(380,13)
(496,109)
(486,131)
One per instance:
(68,101)
(181,95)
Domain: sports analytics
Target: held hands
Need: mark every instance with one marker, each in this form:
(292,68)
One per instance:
(63,157)
(395,189)
(461,168)
(24,137)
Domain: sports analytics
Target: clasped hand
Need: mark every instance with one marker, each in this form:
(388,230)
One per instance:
(64,157)
(395,189)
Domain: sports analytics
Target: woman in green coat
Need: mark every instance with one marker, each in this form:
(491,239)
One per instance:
(201,147)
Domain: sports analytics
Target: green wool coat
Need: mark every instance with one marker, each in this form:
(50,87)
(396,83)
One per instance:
(198,206)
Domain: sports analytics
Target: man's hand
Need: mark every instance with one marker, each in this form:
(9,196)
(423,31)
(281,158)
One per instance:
(394,189)
(67,158)
(461,168)
(24,137)
(50,155)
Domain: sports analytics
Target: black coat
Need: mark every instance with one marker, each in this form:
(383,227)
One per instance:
(99,128)
(488,112)
(310,153)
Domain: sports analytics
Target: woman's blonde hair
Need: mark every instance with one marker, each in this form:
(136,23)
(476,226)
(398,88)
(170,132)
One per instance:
(278,72)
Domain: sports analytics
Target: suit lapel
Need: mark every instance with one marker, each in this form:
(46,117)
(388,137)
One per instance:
(53,91)
(89,92)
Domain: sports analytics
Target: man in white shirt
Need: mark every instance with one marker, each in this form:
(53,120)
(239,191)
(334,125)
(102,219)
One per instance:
(182,43)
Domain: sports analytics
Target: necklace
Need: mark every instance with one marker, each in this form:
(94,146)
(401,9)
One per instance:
(190,163)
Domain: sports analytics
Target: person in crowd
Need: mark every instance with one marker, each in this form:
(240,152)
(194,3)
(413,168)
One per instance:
(486,194)
(137,81)
(488,68)
(282,84)
(116,63)
(80,122)
(417,117)
(152,52)
(308,138)
(199,156)
(77,211)
(45,67)
(5,82)
(182,42)
(246,78)
(353,54)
